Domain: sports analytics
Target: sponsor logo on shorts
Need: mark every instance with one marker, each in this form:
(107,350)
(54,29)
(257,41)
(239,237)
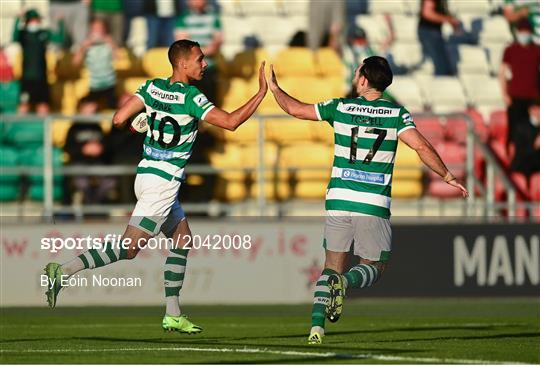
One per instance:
(361,176)
(157,153)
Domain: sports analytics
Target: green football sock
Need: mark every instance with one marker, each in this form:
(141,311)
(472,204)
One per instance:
(95,258)
(362,275)
(175,268)
(320,299)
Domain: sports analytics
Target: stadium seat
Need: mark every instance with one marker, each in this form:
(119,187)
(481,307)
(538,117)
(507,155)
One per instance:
(35,157)
(405,26)
(535,187)
(390,7)
(406,91)
(376,28)
(65,70)
(231,184)
(155,62)
(456,130)
(126,64)
(407,188)
(472,60)
(454,155)
(406,53)
(445,95)
(407,165)
(323,132)
(313,89)
(495,30)
(131,84)
(329,64)
(302,158)
(246,133)
(9,183)
(479,7)
(431,128)
(10,96)
(233,92)
(483,90)
(28,133)
(295,62)
(246,63)
(289,131)
(501,152)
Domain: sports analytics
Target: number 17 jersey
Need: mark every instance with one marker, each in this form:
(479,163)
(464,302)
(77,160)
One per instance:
(365,143)
(173,112)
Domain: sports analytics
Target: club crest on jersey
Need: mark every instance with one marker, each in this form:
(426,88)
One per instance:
(200,100)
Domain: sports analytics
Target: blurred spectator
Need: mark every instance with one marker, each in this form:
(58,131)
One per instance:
(111,12)
(6,71)
(358,48)
(160,18)
(527,147)
(125,148)
(75,13)
(34,39)
(132,9)
(86,145)
(200,23)
(433,14)
(518,76)
(516,10)
(98,51)
(326,24)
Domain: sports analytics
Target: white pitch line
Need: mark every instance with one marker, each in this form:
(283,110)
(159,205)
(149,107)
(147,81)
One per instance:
(366,356)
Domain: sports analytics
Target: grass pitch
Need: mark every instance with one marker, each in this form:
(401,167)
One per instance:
(370,331)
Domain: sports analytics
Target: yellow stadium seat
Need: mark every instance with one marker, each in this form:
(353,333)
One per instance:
(155,62)
(329,63)
(246,63)
(323,132)
(289,130)
(407,164)
(131,84)
(126,64)
(65,69)
(295,61)
(247,133)
(250,158)
(231,191)
(308,155)
(68,98)
(315,189)
(269,106)
(273,190)
(311,89)
(60,129)
(233,93)
(230,156)
(406,188)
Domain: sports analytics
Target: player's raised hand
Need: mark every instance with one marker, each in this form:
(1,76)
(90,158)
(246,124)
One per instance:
(273,80)
(263,84)
(455,183)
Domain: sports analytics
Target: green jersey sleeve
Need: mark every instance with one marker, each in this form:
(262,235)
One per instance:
(326,110)
(197,104)
(180,23)
(141,92)
(405,121)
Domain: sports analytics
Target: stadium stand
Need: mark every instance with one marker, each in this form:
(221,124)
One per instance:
(312,77)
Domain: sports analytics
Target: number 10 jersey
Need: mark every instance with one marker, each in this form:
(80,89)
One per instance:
(365,144)
(173,112)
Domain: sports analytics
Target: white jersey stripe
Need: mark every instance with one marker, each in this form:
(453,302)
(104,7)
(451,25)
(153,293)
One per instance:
(163,166)
(345,194)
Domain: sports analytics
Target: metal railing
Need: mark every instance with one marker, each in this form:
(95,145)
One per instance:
(485,202)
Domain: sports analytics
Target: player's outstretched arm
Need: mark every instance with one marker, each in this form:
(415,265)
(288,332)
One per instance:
(231,121)
(290,105)
(132,106)
(429,156)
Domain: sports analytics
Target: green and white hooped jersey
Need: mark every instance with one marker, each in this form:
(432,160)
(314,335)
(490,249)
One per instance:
(173,112)
(366,137)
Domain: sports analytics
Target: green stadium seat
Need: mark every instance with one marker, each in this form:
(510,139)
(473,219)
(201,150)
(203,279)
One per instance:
(10,96)
(35,157)
(9,184)
(24,134)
